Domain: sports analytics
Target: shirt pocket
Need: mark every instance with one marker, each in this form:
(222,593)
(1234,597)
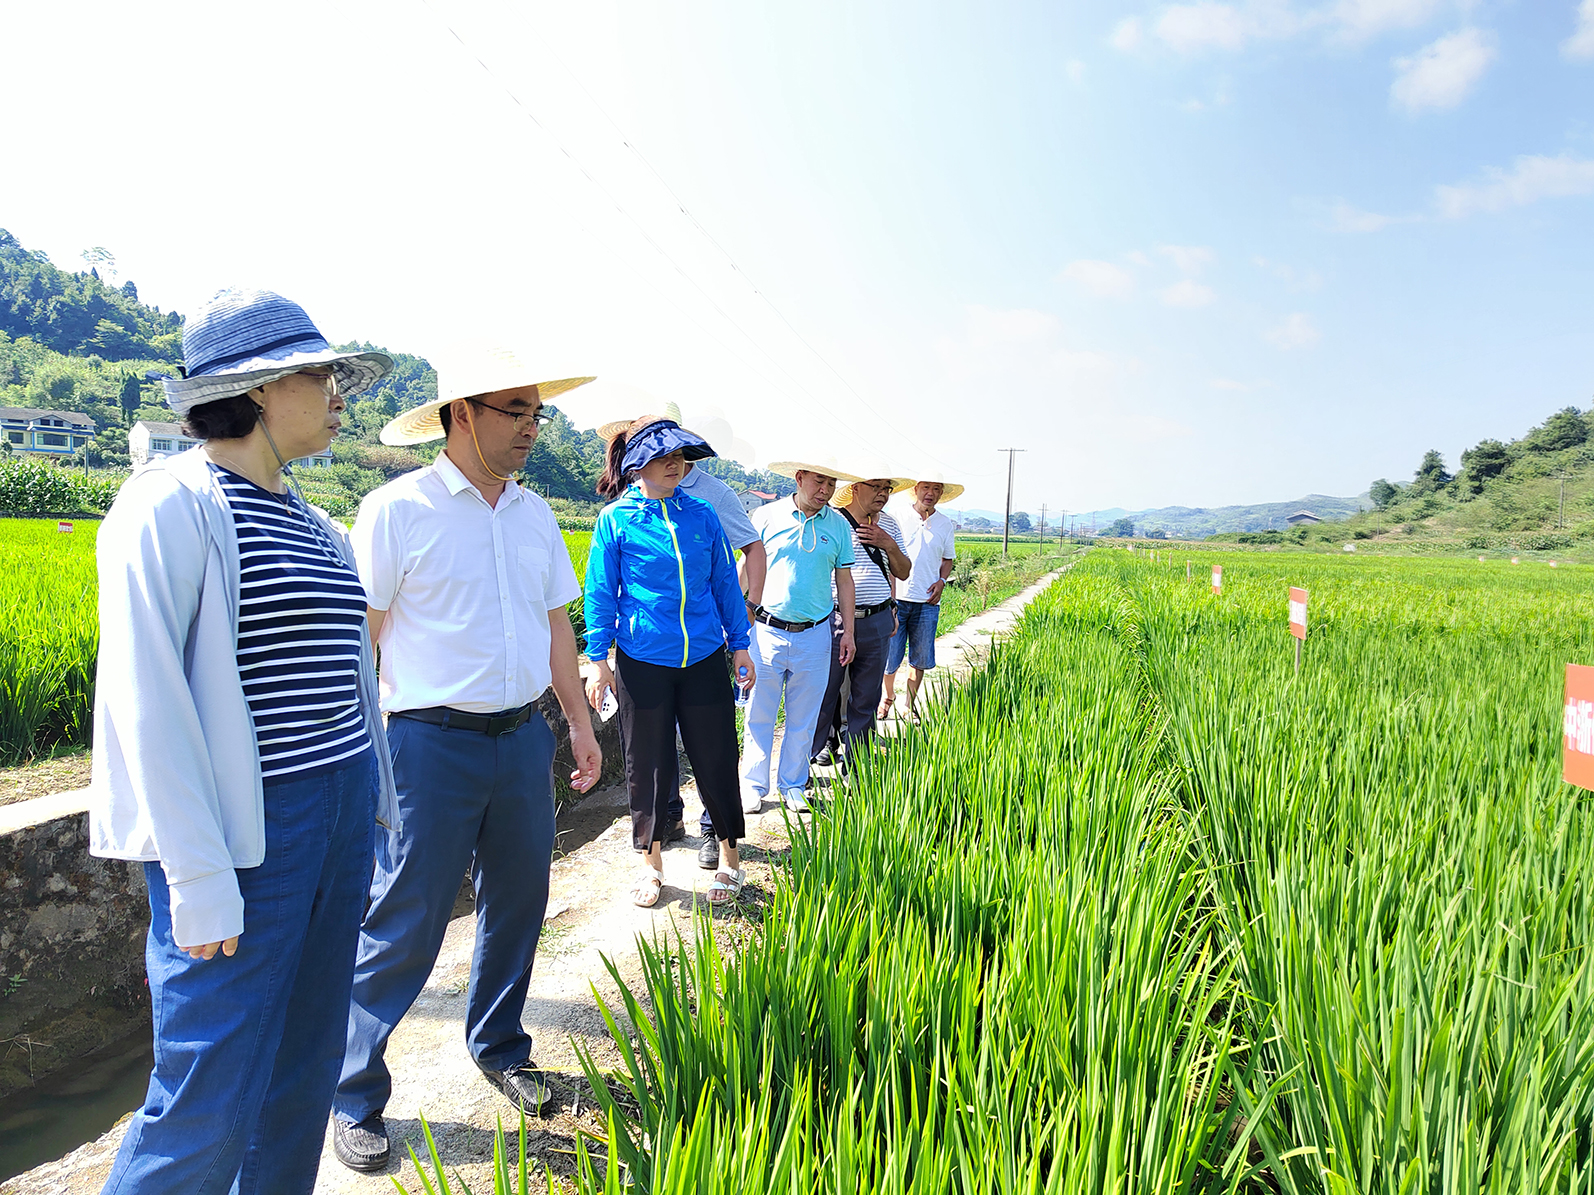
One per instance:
(534,565)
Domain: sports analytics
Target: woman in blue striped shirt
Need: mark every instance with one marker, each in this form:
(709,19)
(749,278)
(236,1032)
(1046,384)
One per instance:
(238,754)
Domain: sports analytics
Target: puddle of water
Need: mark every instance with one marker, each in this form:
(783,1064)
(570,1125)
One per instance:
(74,1106)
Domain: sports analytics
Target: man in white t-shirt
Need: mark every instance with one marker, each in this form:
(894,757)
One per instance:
(929,536)
(467,579)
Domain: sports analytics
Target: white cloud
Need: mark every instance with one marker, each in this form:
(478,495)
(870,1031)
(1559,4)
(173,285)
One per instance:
(1102,278)
(1229,384)
(1191,28)
(1296,332)
(1075,70)
(1289,275)
(1581,43)
(1189,258)
(989,326)
(1126,35)
(1345,218)
(1531,178)
(1367,18)
(1441,74)
(1187,294)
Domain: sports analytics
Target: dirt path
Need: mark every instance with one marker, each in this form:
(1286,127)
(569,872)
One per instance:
(589,917)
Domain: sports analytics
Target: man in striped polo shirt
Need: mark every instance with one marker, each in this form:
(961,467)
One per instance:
(879,560)
(467,578)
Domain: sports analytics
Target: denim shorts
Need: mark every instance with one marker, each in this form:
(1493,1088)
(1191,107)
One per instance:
(915,636)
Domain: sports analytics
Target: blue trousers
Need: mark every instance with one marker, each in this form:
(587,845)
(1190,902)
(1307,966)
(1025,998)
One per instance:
(794,665)
(247,1048)
(466,800)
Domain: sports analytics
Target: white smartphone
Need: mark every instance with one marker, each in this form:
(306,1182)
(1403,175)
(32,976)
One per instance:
(609,706)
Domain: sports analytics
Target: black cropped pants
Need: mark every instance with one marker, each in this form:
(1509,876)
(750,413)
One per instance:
(654,700)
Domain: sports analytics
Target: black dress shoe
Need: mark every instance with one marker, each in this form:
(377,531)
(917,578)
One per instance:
(708,855)
(826,757)
(524,1086)
(362,1146)
(675,833)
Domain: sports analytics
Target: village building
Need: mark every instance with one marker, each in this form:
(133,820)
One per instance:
(753,499)
(45,433)
(1302,517)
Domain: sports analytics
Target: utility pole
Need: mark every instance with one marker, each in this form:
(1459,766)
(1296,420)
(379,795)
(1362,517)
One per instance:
(1043,525)
(1007,517)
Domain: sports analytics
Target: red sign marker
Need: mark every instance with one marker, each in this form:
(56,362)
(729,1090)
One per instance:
(1577,750)
(1217,578)
(64,527)
(1298,612)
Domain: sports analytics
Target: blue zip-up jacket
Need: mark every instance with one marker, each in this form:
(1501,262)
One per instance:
(661,582)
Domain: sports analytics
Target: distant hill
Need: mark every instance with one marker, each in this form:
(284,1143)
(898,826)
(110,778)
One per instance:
(1196,522)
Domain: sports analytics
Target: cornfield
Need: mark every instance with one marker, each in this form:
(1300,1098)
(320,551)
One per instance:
(50,634)
(1139,909)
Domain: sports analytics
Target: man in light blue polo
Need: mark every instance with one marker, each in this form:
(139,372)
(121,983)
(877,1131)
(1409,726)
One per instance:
(807,547)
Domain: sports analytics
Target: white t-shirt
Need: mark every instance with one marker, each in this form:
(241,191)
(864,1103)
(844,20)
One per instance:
(467,588)
(927,542)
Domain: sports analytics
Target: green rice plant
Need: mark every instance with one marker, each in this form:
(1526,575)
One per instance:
(49,634)
(509,1177)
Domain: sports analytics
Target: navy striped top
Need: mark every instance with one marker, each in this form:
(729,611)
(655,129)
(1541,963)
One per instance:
(301,614)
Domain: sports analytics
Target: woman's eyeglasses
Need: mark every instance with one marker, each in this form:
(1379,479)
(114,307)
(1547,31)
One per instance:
(326,375)
(538,418)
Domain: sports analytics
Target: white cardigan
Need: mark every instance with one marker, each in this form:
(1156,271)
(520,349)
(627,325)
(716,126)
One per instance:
(176,771)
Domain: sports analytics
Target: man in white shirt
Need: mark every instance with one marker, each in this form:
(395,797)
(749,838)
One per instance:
(929,536)
(879,561)
(467,578)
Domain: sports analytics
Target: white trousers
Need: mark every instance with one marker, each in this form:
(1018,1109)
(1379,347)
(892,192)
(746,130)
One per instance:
(794,665)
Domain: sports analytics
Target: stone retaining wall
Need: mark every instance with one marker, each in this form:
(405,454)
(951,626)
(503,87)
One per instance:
(72,927)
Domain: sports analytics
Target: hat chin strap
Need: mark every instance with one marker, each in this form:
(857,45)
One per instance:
(479,455)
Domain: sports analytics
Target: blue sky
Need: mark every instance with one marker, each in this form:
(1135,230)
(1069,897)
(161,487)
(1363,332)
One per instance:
(1189,253)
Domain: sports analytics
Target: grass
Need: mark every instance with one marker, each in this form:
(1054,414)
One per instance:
(49,633)
(1138,909)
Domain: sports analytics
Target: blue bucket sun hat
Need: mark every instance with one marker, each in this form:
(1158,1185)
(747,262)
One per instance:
(654,436)
(245,338)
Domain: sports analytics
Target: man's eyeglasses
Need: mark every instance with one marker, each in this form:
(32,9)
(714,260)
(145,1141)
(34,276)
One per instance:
(538,417)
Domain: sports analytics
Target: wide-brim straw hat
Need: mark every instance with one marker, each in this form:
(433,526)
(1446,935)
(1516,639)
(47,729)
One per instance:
(242,339)
(829,466)
(949,489)
(475,375)
(843,494)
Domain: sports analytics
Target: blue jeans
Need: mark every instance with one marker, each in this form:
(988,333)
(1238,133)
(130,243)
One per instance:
(915,636)
(247,1048)
(795,664)
(466,800)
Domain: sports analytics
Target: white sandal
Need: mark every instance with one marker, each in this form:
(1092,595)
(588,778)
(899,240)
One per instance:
(724,891)
(645,892)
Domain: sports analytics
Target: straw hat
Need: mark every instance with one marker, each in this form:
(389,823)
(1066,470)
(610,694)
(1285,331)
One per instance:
(245,338)
(843,496)
(476,375)
(949,489)
(827,465)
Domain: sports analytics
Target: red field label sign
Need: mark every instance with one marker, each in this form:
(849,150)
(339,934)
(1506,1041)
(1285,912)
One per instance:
(63,527)
(1298,612)
(1217,578)
(1577,751)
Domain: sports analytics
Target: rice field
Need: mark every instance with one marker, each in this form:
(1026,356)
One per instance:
(50,635)
(1139,909)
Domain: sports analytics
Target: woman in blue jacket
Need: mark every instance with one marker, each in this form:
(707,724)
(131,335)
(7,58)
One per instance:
(662,590)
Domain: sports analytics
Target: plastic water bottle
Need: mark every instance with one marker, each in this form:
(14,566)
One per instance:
(744,691)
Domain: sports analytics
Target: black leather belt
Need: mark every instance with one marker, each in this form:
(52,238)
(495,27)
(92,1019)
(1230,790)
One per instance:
(870,611)
(780,624)
(448,718)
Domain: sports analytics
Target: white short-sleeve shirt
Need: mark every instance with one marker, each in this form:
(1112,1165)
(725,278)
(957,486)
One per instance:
(467,588)
(928,542)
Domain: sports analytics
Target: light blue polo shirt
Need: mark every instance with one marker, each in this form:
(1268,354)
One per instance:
(804,553)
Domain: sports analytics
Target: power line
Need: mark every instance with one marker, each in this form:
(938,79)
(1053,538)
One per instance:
(679,269)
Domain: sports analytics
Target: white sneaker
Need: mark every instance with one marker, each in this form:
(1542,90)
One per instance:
(796,801)
(752,802)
